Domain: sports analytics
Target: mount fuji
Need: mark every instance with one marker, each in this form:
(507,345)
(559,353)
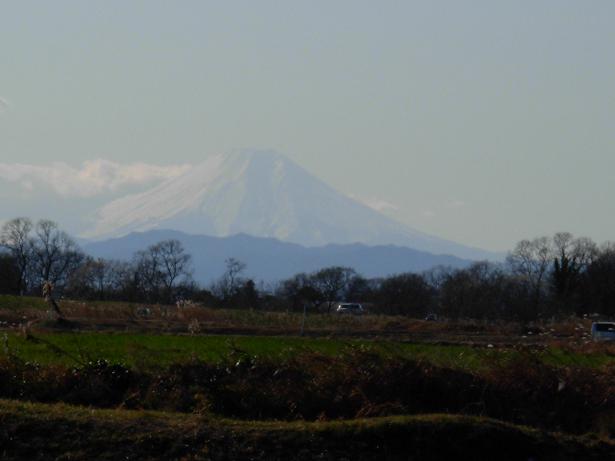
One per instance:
(263,194)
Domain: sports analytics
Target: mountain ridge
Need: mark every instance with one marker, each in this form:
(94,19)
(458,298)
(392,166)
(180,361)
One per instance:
(271,260)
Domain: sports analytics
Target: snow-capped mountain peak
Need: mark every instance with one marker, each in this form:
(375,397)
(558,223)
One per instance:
(261,193)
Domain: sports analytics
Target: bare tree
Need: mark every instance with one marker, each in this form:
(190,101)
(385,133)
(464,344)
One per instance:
(231,280)
(301,292)
(477,291)
(9,275)
(437,276)
(173,262)
(571,257)
(331,282)
(146,272)
(94,278)
(405,294)
(234,268)
(160,267)
(123,280)
(600,277)
(530,260)
(54,254)
(16,238)
(576,252)
(101,273)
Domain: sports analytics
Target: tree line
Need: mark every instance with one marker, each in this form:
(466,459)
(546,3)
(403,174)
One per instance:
(541,278)
(36,253)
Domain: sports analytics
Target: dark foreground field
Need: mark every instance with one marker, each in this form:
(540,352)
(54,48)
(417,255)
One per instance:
(38,431)
(111,383)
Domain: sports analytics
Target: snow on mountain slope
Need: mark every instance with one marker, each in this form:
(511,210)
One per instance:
(264,194)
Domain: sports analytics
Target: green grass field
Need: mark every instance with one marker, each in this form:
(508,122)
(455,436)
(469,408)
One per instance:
(147,350)
(12,302)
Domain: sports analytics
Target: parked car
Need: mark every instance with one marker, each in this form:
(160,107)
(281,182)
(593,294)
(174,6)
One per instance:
(349,308)
(603,331)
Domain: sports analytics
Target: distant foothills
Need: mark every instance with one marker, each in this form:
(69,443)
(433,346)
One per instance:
(270,259)
(542,277)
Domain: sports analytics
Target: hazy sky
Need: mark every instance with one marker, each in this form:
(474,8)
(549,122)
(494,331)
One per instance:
(479,121)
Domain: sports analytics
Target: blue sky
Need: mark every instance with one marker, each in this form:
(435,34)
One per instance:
(479,121)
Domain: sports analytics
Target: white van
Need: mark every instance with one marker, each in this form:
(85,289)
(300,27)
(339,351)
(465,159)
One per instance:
(603,331)
(349,308)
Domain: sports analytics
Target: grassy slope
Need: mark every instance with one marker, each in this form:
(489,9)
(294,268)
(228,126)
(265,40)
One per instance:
(155,349)
(18,303)
(40,431)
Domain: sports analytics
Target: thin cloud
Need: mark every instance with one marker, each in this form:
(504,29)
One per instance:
(90,179)
(456,204)
(4,105)
(376,203)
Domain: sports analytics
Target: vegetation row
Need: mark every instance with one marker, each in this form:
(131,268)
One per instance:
(522,389)
(59,431)
(542,278)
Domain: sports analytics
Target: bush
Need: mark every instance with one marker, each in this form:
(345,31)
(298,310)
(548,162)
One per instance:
(312,386)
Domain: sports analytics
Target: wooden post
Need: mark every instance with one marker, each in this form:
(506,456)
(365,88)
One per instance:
(48,295)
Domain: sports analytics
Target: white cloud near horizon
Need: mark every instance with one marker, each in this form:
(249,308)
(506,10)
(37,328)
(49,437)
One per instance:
(92,178)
